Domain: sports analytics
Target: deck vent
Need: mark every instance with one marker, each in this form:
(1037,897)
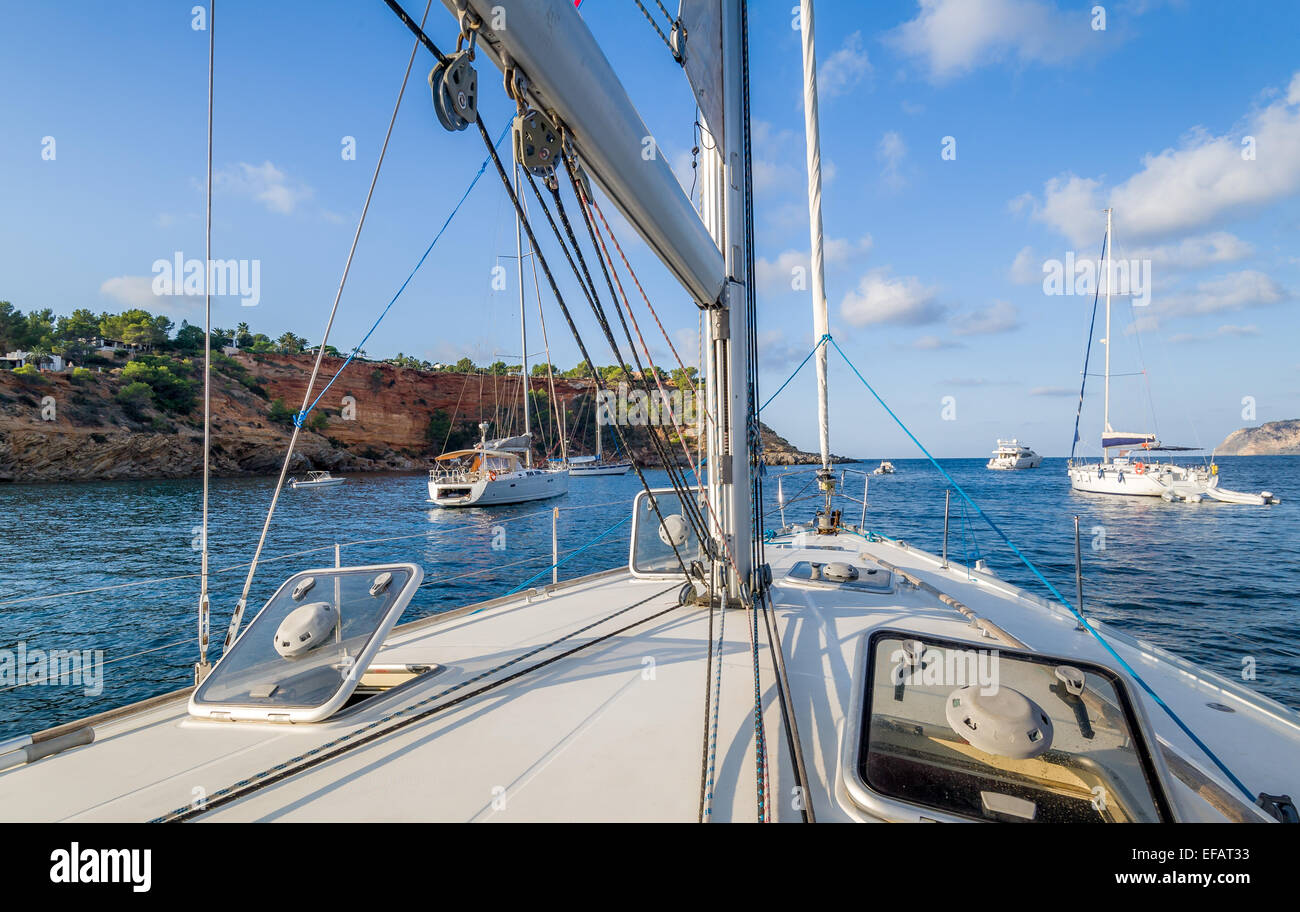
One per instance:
(840,575)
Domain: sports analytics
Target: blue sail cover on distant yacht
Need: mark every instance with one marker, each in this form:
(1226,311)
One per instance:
(1115,439)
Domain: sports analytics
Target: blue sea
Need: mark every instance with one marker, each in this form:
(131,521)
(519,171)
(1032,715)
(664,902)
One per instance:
(1216,583)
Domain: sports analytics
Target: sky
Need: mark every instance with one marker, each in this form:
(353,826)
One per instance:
(967,146)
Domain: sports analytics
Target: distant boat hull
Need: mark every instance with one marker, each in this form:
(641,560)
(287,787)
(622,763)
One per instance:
(323,483)
(612,468)
(999,463)
(1122,477)
(508,488)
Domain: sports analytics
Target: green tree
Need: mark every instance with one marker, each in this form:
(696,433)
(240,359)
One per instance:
(289,344)
(135,399)
(466,366)
(79,326)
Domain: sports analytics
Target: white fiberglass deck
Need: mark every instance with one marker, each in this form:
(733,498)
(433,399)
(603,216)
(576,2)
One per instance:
(616,731)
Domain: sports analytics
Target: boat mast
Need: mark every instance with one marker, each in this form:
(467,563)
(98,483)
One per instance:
(1106,418)
(812,132)
(598,426)
(523,330)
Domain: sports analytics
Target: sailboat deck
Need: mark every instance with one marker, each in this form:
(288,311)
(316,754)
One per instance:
(615,730)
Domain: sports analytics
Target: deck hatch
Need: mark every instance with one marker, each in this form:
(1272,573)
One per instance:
(304,654)
(974,733)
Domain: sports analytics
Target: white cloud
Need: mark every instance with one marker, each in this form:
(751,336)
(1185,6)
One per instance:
(845,68)
(1226,330)
(882,299)
(779,274)
(934,343)
(1195,252)
(137,292)
(891,152)
(1071,206)
(264,183)
(777,350)
(1053,391)
(1230,292)
(1025,268)
(1183,189)
(999,317)
(955,36)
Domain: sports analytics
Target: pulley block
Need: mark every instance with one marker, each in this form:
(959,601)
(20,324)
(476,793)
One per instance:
(455,92)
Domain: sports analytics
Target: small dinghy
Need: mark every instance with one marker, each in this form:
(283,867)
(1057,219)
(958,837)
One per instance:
(316,480)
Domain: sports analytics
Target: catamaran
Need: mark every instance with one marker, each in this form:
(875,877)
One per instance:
(818,671)
(1012,454)
(1132,472)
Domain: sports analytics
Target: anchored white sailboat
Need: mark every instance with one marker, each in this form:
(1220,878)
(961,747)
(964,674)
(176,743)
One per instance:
(859,678)
(1134,472)
(598,464)
(499,472)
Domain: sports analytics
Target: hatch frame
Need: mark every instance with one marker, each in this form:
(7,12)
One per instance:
(893,808)
(217,710)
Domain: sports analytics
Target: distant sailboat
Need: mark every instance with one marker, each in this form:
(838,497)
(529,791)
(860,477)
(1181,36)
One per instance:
(499,471)
(1138,475)
(598,465)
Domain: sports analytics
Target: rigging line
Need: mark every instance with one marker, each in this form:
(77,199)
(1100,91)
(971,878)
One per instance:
(238,614)
(820,342)
(654,25)
(675,476)
(302,415)
(405,716)
(564,560)
(546,343)
(1059,597)
(623,256)
(204,599)
(1087,352)
(451,425)
(754,443)
(469,527)
(708,700)
(564,308)
(689,509)
(134,655)
(582,199)
(717,701)
(418,30)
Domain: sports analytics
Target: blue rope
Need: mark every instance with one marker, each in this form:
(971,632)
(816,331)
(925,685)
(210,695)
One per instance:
(820,342)
(1078,615)
(301,417)
(568,557)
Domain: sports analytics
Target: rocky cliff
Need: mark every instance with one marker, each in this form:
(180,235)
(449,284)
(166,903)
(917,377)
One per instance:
(1276,438)
(376,417)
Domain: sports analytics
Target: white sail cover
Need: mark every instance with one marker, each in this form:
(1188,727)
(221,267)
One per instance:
(518,444)
(702,58)
(1116,439)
